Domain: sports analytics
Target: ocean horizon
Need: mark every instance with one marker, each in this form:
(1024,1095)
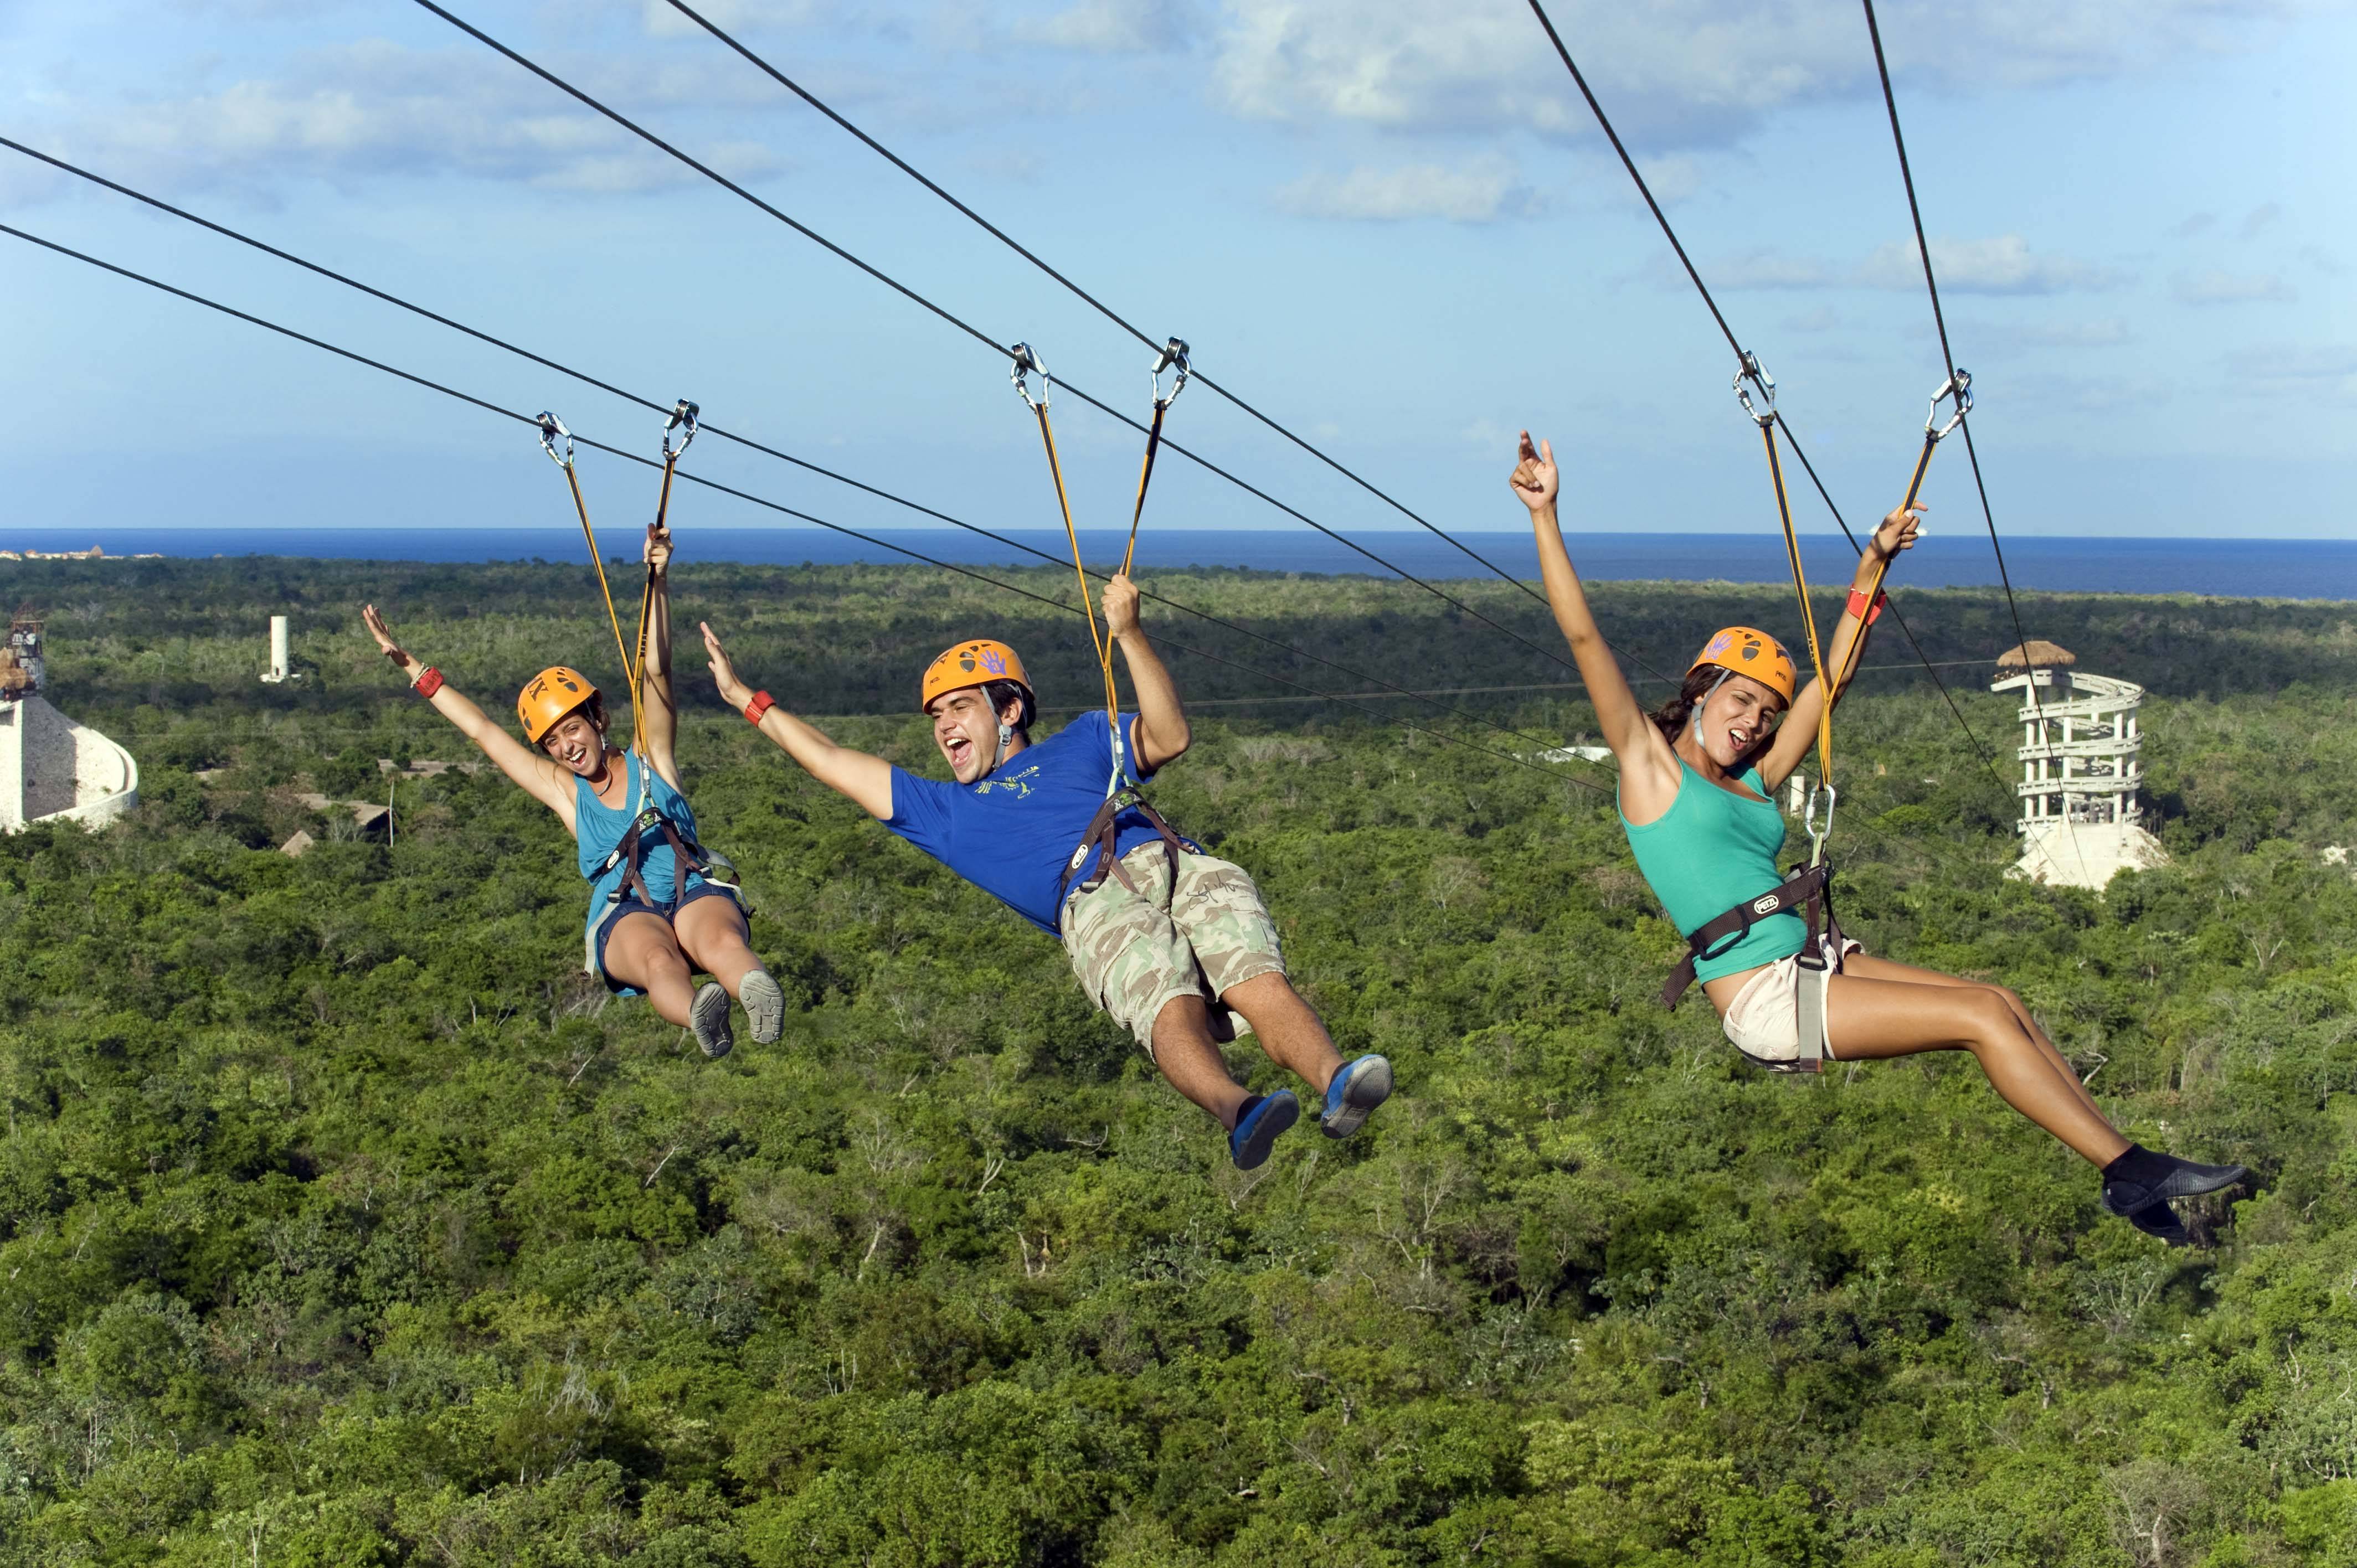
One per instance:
(2234,568)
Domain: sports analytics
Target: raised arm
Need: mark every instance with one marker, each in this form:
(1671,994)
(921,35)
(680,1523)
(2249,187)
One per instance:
(1799,731)
(542,779)
(661,719)
(1161,735)
(866,780)
(1649,768)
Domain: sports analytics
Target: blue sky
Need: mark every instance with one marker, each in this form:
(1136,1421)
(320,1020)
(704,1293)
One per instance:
(1390,223)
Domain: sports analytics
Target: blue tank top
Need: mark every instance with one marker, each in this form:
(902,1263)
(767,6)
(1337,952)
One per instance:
(598,828)
(1712,850)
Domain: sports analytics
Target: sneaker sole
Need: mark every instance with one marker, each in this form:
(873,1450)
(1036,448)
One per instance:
(708,1016)
(1278,1113)
(765,1008)
(1368,1089)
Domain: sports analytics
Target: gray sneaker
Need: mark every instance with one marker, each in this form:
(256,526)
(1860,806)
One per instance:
(708,1016)
(764,1007)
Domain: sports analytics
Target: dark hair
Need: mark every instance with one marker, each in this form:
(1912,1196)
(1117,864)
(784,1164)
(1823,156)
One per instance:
(1673,716)
(594,710)
(998,693)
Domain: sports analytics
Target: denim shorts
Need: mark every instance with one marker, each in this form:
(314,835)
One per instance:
(631,904)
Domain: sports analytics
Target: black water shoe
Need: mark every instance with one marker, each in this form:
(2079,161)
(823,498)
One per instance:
(2159,1220)
(2141,1178)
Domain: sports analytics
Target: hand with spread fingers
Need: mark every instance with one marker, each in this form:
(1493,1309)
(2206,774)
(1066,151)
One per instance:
(733,692)
(383,635)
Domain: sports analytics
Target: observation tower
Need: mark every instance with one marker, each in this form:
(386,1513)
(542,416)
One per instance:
(2080,822)
(51,768)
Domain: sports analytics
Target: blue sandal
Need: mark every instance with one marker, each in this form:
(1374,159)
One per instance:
(1361,1084)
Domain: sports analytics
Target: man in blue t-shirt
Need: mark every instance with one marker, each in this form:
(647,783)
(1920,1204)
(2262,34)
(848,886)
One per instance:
(1159,933)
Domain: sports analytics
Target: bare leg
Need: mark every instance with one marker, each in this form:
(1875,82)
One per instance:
(1873,1019)
(1288,1029)
(1191,1060)
(712,932)
(643,953)
(1872,968)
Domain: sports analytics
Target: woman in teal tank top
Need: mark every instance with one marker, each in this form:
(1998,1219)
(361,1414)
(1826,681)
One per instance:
(653,924)
(1698,778)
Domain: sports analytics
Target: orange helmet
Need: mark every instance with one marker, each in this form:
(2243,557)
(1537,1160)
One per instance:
(1748,651)
(971,664)
(549,697)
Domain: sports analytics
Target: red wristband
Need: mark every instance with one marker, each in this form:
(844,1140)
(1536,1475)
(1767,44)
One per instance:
(427,683)
(1863,611)
(761,704)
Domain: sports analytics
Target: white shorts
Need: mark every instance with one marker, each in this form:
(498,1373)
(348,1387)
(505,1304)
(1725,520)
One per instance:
(1763,1021)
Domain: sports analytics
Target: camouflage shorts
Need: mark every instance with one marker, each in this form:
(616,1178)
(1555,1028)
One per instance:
(1135,951)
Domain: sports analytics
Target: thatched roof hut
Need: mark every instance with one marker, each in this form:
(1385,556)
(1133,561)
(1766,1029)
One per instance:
(2034,654)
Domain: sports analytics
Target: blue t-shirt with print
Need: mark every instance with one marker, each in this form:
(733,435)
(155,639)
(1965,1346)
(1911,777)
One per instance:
(1012,833)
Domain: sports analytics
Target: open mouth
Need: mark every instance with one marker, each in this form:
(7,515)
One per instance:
(959,748)
(577,757)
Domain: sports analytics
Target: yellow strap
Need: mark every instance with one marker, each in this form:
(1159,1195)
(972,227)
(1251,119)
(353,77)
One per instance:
(1808,614)
(1103,644)
(1145,478)
(613,617)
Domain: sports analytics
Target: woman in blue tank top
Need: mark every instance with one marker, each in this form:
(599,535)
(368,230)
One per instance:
(1696,781)
(653,922)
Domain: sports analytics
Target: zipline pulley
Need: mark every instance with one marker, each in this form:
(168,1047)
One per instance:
(1028,363)
(682,419)
(1818,830)
(1748,370)
(552,431)
(1174,354)
(1958,386)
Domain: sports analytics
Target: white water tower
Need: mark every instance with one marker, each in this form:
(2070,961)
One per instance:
(277,670)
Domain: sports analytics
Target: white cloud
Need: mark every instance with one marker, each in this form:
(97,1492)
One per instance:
(2297,369)
(663,20)
(376,109)
(2212,287)
(2259,217)
(1113,27)
(2003,263)
(2104,333)
(1674,72)
(1479,191)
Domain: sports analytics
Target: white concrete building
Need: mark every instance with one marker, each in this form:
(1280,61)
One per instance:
(51,768)
(2080,772)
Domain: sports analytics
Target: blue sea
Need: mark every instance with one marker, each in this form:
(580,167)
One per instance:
(2256,568)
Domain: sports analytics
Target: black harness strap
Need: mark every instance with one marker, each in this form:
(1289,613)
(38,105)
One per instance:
(631,851)
(1104,837)
(1808,893)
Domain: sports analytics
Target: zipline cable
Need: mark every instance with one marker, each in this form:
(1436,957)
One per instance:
(969,328)
(1099,306)
(1744,360)
(489,407)
(1948,359)
(747,442)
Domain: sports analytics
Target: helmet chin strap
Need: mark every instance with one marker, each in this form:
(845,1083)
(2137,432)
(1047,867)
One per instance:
(1694,719)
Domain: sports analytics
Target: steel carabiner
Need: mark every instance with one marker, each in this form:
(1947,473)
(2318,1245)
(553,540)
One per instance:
(551,429)
(1818,831)
(1027,362)
(1749,368)
(1959,386)
(1174,352)
(682,418)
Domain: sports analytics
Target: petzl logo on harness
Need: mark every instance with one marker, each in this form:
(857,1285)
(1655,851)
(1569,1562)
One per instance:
(1766,906)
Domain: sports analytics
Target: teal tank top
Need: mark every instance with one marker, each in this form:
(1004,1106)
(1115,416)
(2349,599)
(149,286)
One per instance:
(598,828)
(1710,851)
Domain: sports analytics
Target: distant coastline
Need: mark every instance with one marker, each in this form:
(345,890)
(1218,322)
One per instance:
(2267,568)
